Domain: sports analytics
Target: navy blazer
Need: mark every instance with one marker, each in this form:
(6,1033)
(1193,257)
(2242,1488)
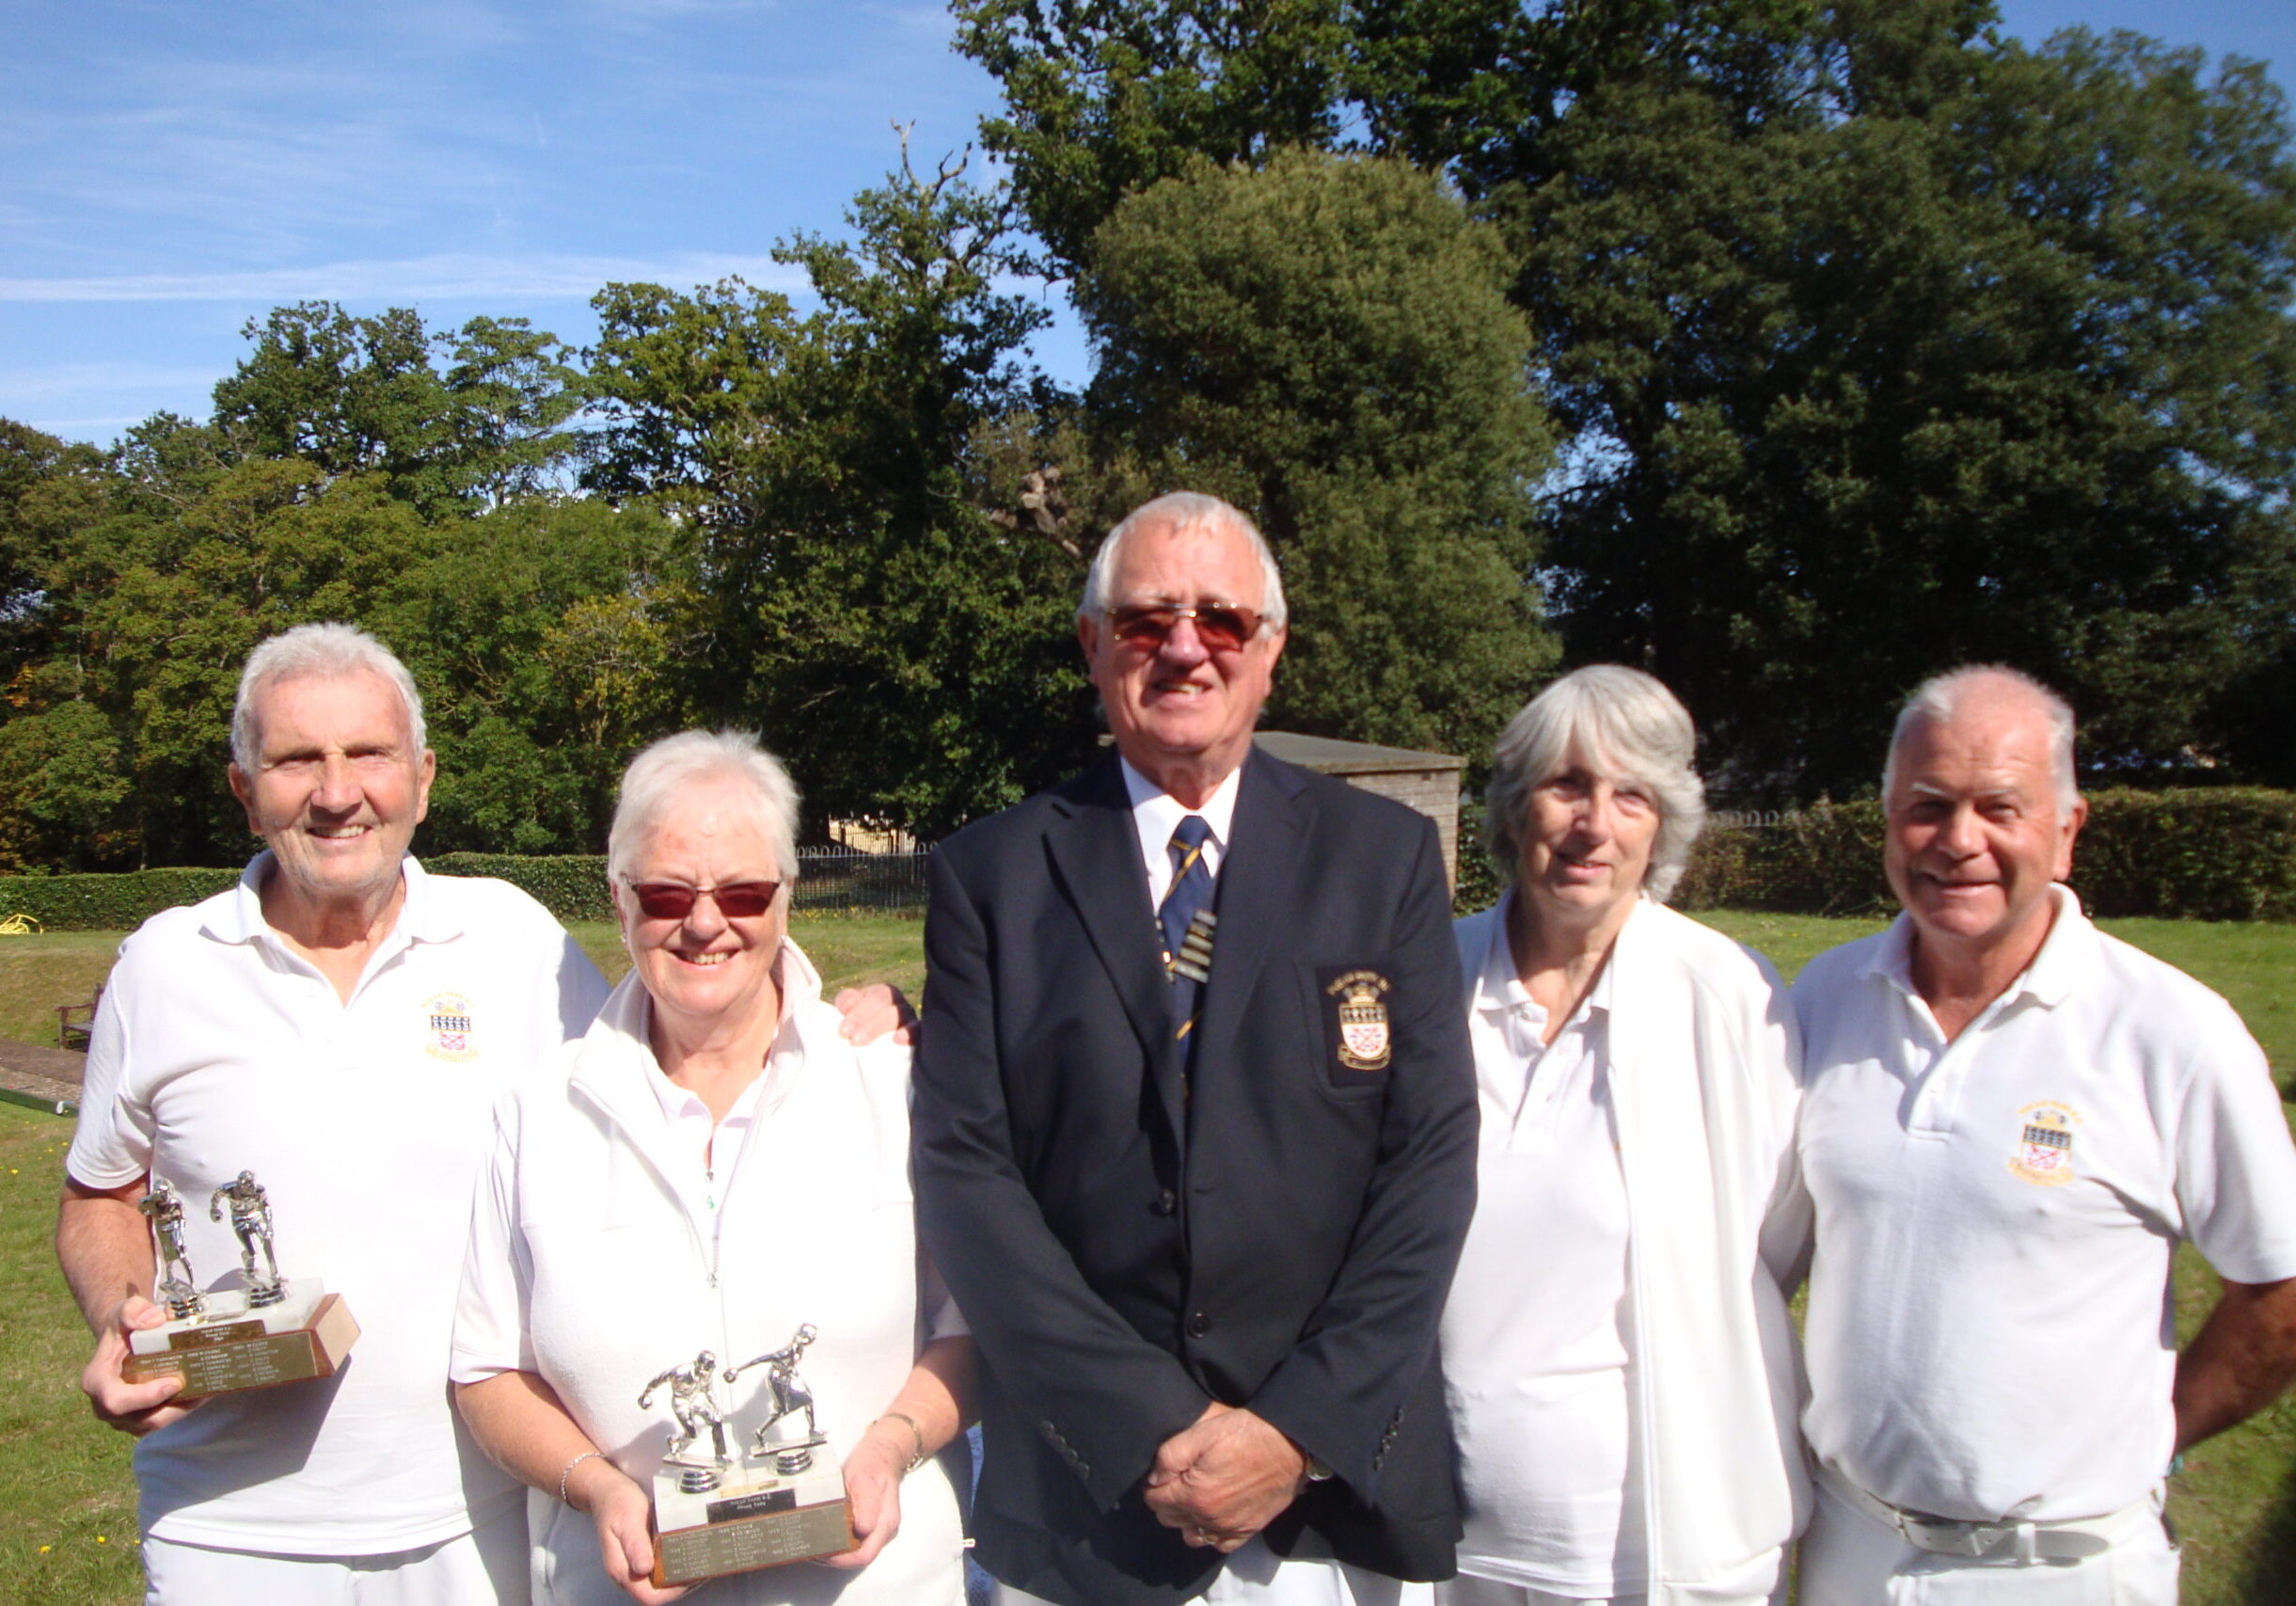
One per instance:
(1134,1235)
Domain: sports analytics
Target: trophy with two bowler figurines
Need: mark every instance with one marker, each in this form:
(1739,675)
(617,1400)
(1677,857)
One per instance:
(272,1330)
(783,1500)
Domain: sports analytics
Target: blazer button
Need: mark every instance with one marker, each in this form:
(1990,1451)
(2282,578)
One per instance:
(1199,1325)
(1167,1202)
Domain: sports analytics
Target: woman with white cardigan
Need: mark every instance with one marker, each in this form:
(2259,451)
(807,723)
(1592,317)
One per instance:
(712,1168)
(1621,1370)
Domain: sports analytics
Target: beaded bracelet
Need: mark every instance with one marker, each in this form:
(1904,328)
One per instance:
(569,1472)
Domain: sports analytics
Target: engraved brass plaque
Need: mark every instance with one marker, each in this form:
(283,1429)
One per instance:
(223,1368)
(752,1542)
(222,1332)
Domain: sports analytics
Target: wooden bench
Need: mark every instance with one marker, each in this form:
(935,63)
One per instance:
(71,1033)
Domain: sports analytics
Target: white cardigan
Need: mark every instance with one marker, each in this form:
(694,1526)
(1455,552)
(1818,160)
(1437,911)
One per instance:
(588,1267)
(1704,1080)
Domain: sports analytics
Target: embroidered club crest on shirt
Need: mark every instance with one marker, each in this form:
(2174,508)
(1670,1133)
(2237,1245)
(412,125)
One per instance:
(2044,1155)
(448,1028)
(1363,1041)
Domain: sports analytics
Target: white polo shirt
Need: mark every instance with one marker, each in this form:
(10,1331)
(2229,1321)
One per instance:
(1990,1333)
(218,1049)
(1537,1346)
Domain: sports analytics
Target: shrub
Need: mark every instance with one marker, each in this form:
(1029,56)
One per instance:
(571,886)
(107,902)
(2220,854)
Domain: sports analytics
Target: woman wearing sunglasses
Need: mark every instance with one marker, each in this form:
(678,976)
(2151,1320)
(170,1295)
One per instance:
(712,1169)
(1615,1348)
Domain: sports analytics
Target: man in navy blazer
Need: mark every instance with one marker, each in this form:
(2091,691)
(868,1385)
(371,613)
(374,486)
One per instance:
(1195,1129)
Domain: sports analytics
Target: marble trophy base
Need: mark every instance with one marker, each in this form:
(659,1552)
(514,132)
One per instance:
(758,1517)
(229,1349)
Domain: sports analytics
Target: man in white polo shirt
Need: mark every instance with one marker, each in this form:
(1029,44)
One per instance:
(2011,1121)
(339,1024)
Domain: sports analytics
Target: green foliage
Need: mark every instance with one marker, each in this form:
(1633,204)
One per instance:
(1327,342)
(2225,853)
(572,888)
(2220,854)
(542,638)
(1105,98)
(108,903)
(2032,408)
(909,655)
(363,396)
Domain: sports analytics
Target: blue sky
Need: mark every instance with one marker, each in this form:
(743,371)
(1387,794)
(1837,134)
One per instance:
(168,171)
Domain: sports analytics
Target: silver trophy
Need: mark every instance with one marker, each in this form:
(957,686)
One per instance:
(715,1514)
(225,1341)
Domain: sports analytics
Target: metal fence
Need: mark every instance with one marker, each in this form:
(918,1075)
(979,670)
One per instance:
(844,880)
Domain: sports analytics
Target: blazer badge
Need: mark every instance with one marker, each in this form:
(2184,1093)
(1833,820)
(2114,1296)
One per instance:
(1364,1041)
(449,1037)
(2043,1155)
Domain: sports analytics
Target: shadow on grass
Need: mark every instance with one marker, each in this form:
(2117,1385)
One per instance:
(2272,1571)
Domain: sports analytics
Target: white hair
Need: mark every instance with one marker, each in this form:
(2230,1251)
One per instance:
(1618,718)
(1936,700)
(321,652)
(658,777)
(1185,511)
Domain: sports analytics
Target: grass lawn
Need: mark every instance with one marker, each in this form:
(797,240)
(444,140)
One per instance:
(64,1481)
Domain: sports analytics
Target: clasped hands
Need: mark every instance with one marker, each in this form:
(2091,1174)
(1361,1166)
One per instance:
(1224,1478)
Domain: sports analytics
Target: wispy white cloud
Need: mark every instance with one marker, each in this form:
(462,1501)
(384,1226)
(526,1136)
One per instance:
(442,278)
(66,384)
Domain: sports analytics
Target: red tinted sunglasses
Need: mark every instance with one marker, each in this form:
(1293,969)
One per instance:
(1219,627)
(674,900)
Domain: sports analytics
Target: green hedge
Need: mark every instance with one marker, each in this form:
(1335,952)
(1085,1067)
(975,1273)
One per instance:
(107,902)
(573,887)
(2226,854)
(2217,853)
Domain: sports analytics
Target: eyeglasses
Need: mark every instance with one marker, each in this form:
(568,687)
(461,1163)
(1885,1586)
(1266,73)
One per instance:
(674,900)
(1218,626)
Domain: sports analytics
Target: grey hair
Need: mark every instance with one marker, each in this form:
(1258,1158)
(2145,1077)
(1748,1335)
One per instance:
(1936,699)
(1619,717)
(1186,510)
(660,776)
(322,652)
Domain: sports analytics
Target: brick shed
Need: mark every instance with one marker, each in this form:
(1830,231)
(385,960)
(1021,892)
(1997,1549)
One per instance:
(1428,782)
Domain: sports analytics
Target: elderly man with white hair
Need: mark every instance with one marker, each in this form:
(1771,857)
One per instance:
(339,1024)
(2011,1121)
(1195,1129)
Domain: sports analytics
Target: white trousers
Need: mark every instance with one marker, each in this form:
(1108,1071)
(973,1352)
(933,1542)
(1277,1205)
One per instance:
(1466,1591)
(1256,1576)
(1850,1558)
(484,1569)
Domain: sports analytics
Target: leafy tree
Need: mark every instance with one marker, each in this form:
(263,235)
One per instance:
(1106,97)
(910,656)
(1877,340)
(540,636)
(691,394)
(354,395)
(1328,342)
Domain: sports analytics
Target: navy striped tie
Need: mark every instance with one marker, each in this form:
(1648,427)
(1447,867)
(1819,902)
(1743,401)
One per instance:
(1187,920)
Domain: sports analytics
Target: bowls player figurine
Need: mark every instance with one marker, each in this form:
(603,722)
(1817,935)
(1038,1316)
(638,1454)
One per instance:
(251,1220)
(179,1290)
(787,1395)
(693,1399)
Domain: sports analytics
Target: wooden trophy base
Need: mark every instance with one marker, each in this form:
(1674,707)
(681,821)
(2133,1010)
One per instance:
(757,1519)
(229,1348)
